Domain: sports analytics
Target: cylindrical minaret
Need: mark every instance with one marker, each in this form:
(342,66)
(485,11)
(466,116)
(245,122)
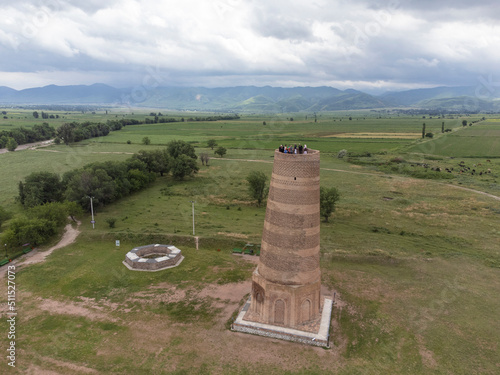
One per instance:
(286,284)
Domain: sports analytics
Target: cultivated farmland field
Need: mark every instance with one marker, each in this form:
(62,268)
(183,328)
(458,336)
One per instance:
(414,262)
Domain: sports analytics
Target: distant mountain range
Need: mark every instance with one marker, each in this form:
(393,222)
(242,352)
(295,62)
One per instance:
(251,98)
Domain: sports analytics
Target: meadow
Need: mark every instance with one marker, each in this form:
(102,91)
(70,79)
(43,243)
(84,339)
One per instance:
(414,263)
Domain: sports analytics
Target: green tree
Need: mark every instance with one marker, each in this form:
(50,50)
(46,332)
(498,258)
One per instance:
(146,141)
(139,179)
(211,143)
(33,230)
(66,132)
(183,166)
(88,182)
(423,130)
(157,161)
(40,188)
(73,209)
(257,186)
(4,215)
(176,148)
(11,144)
(328,198)
(442,127)
(464,122)
(221,151)
(35,114)
(56,212)
(3,141)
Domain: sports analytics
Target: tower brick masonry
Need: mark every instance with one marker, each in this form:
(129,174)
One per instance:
(287,281)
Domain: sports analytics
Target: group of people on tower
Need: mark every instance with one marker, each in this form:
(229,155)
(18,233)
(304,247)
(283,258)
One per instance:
(293,149)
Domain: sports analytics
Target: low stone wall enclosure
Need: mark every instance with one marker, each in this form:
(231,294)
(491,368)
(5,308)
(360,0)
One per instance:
(168,256)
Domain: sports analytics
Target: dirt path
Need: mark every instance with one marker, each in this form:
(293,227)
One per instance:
(475,191)
(36,256)
(29,145)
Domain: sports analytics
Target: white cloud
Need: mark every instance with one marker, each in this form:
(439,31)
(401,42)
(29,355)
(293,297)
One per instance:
(234,42)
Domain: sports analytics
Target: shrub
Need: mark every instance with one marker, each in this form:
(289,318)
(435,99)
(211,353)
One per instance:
(429,135)
(341,154)
(129,142)
(111,222)
(11,144)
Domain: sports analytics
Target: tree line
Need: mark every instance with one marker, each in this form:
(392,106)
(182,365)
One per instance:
(49,199)
(76,132)
(22,135)
(158,118)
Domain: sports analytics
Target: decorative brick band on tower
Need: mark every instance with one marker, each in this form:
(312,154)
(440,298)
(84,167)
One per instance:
(286,284)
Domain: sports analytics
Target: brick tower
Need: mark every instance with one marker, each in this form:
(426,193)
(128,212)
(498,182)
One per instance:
(286,284)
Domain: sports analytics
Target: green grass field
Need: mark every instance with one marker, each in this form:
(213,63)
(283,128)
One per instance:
(478,141)
(415,263)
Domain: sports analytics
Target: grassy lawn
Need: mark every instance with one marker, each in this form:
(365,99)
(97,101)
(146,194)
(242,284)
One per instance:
(414,263)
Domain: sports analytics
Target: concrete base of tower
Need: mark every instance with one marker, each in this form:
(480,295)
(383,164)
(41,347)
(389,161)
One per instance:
(317,337)
(292,306)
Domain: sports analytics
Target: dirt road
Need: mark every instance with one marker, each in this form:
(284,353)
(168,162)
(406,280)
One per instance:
(37,256)
(29,145)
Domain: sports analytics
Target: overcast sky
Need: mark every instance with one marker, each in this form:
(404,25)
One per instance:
(367,45)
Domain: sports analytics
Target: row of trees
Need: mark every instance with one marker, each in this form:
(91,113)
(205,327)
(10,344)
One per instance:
(50,199)
(76,132)
(179,158)
(22,135)
(44,115)
(67,133)
(110,180)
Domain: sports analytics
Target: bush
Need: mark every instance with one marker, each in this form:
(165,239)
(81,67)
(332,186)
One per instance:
(111,222)
(341,154)
(429,135)
(397,160)
(11,144)
(146,141)
(129,142)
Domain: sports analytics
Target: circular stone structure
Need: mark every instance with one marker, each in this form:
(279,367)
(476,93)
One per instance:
(168,256)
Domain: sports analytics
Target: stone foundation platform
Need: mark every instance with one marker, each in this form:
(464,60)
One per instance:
(168,256)
(319,338)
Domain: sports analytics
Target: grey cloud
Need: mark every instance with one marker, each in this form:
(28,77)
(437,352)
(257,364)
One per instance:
(281,26)
(258,43)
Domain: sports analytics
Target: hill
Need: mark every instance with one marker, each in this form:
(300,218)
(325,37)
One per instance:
(251,98)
